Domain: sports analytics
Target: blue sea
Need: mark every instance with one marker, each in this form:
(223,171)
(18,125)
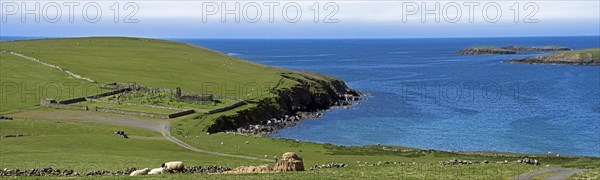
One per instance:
(426,96)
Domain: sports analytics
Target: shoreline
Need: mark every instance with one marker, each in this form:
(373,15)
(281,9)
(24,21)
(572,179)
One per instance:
(275,124)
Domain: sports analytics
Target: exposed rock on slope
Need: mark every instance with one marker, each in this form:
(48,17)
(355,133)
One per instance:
(311,92)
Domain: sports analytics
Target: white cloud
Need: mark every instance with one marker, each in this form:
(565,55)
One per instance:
(383,11)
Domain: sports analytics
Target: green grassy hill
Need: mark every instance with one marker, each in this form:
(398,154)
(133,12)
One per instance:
(270,91)
(25,83)
(157,63)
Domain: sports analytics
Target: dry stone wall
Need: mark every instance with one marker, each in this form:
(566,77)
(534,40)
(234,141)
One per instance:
(134,113)
(71,101)
(65,106)
(218,110)
(126,88)
(49,65)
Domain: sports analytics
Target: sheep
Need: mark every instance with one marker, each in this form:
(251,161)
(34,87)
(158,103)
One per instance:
(173,166)
(157,171)
(140,172)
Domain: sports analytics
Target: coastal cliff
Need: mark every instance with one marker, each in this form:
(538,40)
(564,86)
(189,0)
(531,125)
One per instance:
(312,92)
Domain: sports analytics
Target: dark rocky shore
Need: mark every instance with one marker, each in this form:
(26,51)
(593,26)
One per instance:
(539,60)
(312,94)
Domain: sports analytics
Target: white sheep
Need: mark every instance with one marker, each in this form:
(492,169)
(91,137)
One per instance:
(173,166)
(140,172)
(156,171)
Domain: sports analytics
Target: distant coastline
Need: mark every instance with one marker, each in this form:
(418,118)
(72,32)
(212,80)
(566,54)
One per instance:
(483,50)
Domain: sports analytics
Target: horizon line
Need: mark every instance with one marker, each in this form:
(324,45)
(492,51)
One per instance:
(301,38)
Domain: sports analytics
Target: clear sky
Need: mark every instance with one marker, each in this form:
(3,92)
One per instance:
(300,19)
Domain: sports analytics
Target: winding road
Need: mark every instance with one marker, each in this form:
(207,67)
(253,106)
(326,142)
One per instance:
(157,125)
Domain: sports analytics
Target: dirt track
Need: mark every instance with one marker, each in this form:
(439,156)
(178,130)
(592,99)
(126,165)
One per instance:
(158,125)
(560,173)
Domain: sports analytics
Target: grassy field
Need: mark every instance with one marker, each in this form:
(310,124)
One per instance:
(24,83)
(89,146)
(86,146)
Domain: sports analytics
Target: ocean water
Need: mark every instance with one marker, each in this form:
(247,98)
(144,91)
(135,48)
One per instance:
(426,96)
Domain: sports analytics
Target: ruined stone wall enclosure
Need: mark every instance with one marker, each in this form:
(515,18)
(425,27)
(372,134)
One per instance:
(127,87)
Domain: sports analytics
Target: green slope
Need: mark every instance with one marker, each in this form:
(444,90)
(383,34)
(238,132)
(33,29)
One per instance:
(25,83)
(151,62)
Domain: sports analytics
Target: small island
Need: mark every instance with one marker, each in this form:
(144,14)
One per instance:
(481,50)
(576,57)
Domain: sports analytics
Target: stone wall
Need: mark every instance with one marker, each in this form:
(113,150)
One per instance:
(110,93)
(182,113)
(134,113)
(238,104)
(81,99)
(145,114)
(71,101)
(49,65)
(65,106)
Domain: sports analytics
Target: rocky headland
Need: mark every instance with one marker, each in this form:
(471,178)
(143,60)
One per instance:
(482,50)
(576,57)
